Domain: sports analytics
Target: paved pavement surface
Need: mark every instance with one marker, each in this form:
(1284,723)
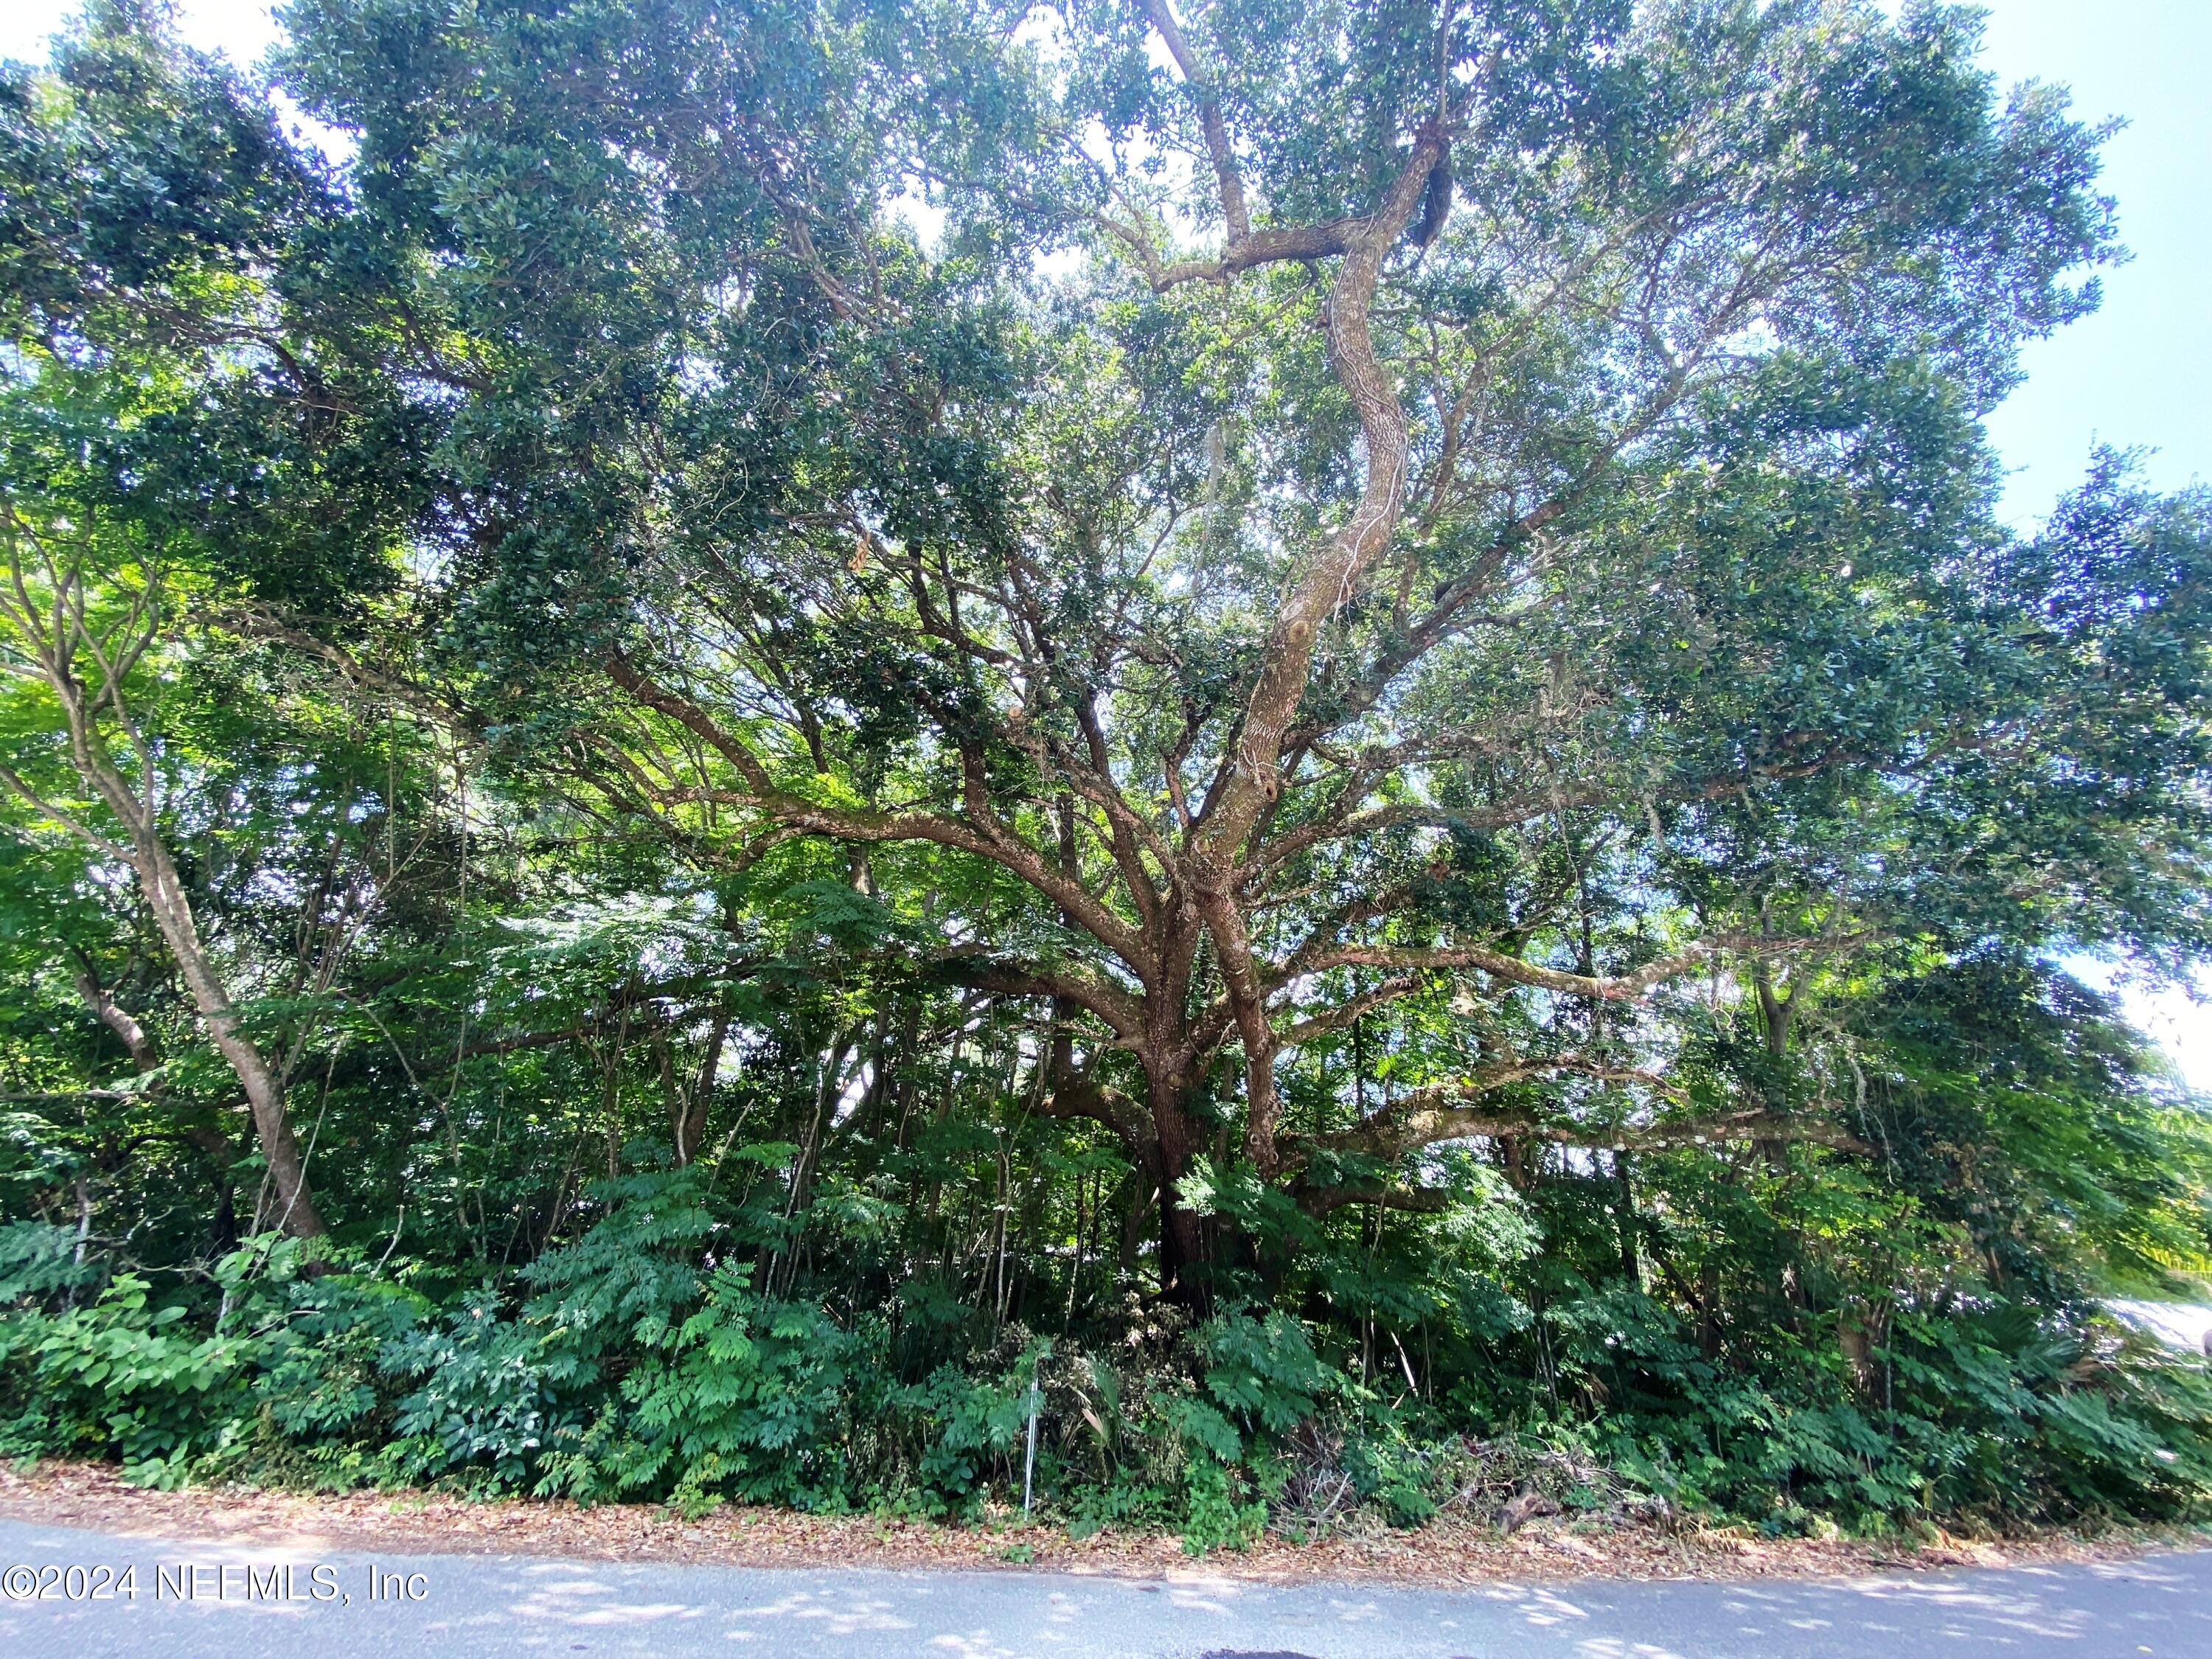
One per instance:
(193,1600)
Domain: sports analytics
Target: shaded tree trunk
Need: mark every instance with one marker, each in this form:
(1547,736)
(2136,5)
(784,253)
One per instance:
(55,640)
(1777,1012)
(296,1213)
(1187,1238)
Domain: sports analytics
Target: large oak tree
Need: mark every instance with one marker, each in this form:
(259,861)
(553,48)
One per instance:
(1260,517)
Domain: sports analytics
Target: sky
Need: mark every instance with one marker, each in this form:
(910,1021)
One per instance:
(2131,376)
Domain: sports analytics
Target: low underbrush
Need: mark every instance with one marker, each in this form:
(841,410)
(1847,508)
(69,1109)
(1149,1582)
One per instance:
(625,1367)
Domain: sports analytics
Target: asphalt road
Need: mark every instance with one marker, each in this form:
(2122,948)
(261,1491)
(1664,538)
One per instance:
(194,1599)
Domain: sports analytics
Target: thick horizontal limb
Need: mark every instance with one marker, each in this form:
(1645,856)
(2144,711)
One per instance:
(979,834)
(1343,1014)
(1342,823)
(1620,987)
(1080,1096)
(1122,1010)
(1443,1112)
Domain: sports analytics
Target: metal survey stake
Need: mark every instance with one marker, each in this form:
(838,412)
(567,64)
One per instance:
(1028,1462)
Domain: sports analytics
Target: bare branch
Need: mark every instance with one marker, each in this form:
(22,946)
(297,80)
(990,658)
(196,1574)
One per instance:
(1227,177)
(980,833)
(1350,1010)
(68,820)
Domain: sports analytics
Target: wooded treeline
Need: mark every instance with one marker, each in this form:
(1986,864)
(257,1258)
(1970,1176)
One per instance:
(740,738)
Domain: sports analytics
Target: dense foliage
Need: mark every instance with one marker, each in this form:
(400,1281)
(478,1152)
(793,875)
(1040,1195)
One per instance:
(747,748)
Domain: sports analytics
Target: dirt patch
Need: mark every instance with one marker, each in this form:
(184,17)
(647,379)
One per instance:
(1444,1552)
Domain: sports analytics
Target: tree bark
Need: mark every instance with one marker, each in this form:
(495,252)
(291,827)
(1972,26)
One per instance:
(297,1213)
(1777,1014)
(55,647)
(1184,1237)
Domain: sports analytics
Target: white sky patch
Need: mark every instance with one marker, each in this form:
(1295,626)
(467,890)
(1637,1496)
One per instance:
(2178,1018)
(242,30)
(855,1092)
(338,147)
(921,217)
(2182,1325)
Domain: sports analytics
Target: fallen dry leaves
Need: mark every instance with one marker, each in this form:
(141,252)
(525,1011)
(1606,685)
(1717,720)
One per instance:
(1444,1552)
